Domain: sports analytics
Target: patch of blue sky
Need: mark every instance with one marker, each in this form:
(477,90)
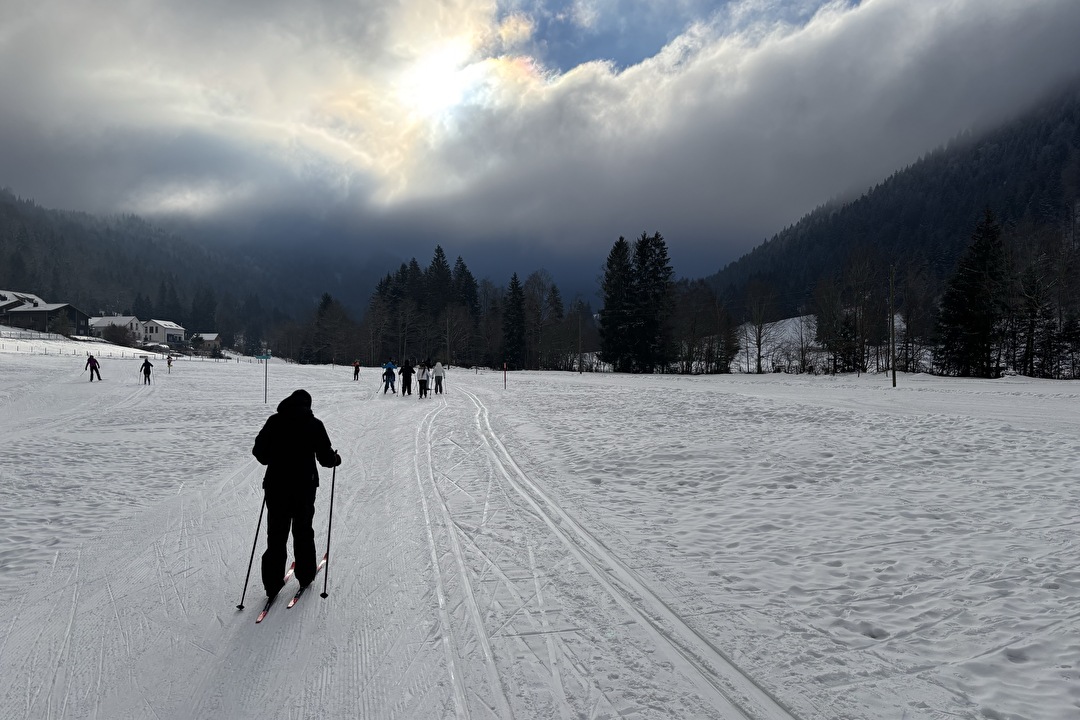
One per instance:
(568,33)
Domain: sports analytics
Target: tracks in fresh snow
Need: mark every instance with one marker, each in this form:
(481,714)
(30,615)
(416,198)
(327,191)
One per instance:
(727,688)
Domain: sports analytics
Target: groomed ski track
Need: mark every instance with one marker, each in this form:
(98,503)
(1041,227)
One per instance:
(459,585)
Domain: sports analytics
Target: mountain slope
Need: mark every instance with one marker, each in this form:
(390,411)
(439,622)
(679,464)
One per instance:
(1027,172)
(100,263)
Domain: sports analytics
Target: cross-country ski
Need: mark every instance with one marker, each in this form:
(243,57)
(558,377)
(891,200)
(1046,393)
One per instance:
(303,588)
(270,600)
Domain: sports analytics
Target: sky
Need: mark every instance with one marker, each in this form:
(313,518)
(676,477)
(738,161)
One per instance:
(716,547)
(515,133)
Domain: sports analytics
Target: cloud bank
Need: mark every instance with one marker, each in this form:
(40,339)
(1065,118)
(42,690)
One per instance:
(535,129)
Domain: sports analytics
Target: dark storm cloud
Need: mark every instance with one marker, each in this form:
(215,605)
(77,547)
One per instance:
(477,124)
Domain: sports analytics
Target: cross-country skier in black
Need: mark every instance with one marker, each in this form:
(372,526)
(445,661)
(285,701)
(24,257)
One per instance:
(406,372)
(289,444)
(146,365)
(95,367)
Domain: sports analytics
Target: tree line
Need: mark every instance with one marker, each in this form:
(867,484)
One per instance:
(439,312)
(1010,305)
(649,322)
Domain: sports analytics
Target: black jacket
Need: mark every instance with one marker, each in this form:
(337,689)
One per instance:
(290,442)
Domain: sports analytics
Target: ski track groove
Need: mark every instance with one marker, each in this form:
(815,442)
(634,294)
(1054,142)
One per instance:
(100,673)
(523,608)
(74,584)
(696,652)
(461,704)
(116,615)
(553,653)
(501,702)
(511,508)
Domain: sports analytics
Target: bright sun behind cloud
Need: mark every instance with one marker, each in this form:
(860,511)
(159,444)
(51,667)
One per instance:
(438,81)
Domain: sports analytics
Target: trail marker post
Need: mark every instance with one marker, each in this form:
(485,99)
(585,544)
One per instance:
(266,373)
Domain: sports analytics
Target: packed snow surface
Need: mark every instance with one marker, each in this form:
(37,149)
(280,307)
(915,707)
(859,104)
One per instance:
(566,546)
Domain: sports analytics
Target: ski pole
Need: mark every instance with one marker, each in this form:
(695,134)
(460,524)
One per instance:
(329,526)
(252,560)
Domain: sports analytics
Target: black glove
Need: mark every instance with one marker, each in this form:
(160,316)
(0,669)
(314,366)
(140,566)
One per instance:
(337,460)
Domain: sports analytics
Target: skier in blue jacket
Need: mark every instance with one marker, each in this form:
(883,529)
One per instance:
(388,377)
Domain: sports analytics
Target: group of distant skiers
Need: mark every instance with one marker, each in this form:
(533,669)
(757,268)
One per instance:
(94,366)
(427,375)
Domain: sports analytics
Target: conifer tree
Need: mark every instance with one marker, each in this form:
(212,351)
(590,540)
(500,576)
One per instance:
(653,303)
(616,317)
(465,288)
(972,308)
(439,280)
(514,325)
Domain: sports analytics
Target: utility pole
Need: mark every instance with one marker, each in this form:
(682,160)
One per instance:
(892,325)
(579,368)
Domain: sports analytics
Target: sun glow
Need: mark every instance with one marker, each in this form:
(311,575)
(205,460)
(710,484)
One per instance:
(438,81)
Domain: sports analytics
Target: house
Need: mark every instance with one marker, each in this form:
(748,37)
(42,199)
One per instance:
(162,331)
(210,341)
(10,299)
(131,323)
(48,317)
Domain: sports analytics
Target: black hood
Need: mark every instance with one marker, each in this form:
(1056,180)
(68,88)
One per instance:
(299,401)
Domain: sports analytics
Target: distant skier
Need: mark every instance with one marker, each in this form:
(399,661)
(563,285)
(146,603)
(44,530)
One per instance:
(289,444)
(388,377)
(356,370)
(438,372)
(406,372)
(94,365)
(168,365)
(422,378)
(146,365)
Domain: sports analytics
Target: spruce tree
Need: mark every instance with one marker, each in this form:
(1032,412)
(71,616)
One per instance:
(616,317)
(513,324)
(439,280)
(465,288)
(653,304)
(973,306)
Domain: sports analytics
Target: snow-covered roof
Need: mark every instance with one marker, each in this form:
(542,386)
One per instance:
(40,307)
(112,320)
(167,324)
(208,337)
(8,297)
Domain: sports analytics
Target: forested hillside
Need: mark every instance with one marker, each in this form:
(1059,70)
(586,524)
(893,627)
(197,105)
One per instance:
(124,264)
(920,220)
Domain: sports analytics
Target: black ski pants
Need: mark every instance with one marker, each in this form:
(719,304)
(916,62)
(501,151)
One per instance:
(438,384)
(406,385)
(94,371)
(287,509)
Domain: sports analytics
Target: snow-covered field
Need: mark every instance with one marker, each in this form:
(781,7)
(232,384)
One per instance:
(571,546)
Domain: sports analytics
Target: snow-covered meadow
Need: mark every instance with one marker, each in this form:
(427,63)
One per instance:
(571,546)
